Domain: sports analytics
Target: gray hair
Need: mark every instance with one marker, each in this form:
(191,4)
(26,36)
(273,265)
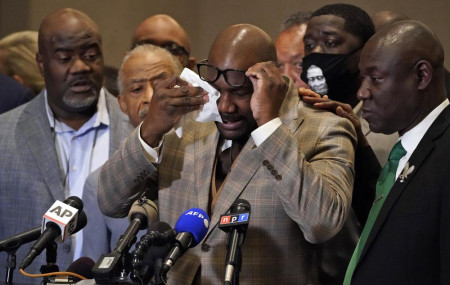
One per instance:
(296,19)
(177,68)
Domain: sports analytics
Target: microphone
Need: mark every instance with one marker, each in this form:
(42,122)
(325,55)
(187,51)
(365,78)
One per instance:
(149,252)
(142,213)
(82,266)
(14,242)
(191,227)
(235,224)
(59,222)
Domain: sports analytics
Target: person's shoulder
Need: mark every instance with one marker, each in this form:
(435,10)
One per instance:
(10,119)
(13,114)
(325,123)
(12,94)
(111,101)
(311,113)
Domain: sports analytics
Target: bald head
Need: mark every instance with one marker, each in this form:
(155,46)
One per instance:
(245,43)
(385,18)
(411,40)
(403,77)
(63,20)
(164,31)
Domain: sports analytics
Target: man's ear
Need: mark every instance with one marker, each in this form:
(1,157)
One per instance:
(191,63)
(122,104)
(424,73)
(40,63)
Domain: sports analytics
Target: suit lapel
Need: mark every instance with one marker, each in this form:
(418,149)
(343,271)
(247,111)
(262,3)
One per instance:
(243,169)
(291,111)
(120,126)
(420,154)
(205,145)
(34,126)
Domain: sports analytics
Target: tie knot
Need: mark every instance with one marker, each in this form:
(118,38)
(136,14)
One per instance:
(397,152)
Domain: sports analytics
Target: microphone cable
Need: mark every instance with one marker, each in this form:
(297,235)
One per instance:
(64,273)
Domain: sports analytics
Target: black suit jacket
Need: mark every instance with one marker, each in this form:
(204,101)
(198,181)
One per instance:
(410,240)
(12,94)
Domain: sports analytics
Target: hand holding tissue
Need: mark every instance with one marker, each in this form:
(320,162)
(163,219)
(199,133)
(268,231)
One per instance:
(209,111)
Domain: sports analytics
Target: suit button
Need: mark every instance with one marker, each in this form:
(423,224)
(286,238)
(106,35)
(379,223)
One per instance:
(205,247)
(66,247)
(274,172)
(278,177)
(270,167)
(265,162)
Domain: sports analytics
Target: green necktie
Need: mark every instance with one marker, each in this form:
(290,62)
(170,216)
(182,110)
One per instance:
(384,184)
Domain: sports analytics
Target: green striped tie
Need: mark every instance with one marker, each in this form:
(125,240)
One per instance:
(384,184)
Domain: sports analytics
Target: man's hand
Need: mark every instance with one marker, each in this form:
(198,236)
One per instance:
(269,91)
(172,98)
(341,109)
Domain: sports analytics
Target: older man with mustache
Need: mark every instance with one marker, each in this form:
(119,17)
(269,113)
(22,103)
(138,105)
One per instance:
(140,68)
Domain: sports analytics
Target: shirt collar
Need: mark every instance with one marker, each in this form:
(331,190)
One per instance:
(411,138)
(101,116)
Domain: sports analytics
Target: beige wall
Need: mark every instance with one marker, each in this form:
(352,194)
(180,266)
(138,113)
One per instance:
(203,19)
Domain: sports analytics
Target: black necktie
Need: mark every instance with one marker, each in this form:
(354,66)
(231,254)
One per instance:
(224,162)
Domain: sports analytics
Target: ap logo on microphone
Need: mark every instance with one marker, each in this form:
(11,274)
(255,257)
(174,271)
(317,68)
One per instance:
(64,216)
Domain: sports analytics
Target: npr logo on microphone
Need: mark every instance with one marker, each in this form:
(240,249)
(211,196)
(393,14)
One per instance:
(234,219)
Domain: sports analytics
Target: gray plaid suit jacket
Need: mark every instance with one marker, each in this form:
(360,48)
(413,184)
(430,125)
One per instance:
(312,151)
(30,179)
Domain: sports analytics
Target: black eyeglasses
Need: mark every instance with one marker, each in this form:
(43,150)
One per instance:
(172,47)
(210,74)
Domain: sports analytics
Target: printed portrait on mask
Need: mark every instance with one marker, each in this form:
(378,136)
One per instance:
(316,80)
(336,72)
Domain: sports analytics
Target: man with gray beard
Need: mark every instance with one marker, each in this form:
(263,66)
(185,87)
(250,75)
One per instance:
(50,145)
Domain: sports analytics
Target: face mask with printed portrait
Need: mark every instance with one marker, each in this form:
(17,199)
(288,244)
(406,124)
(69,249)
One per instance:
(329,74)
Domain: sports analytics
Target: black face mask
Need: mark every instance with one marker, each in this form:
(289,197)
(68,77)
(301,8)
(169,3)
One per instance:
(329,74)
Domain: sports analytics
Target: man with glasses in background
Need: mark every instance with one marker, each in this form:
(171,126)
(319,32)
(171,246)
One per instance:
(293,164)
(164,31)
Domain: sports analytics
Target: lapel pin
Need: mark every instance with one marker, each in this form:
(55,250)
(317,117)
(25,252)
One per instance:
(406,171)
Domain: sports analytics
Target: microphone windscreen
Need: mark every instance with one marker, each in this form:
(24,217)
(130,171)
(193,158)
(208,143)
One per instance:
(81,222)
(194,221)
(82,266)
(75,202)
(145,207)
(240,205)
(158,227)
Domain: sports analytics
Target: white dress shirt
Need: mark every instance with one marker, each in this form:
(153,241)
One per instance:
(80,152)
(412,138)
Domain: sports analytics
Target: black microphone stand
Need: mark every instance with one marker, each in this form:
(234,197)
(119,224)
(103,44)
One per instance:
(237,269)
(236,265)
(10,265)
(11,260)
(51,251)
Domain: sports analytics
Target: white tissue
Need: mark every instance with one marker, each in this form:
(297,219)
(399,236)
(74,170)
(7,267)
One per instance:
(209,111)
